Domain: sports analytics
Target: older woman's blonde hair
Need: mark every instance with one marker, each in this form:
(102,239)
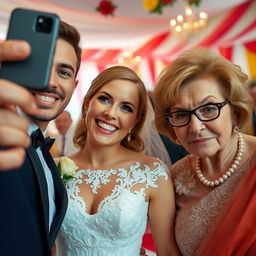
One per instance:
(123,73)
(192,64)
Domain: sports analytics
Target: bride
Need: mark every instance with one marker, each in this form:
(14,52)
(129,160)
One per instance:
(116,189)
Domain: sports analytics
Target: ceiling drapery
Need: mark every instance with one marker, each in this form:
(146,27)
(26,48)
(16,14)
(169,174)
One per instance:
(224,30)
(231,30)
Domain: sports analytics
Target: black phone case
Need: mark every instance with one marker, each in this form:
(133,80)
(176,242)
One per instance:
(33,72)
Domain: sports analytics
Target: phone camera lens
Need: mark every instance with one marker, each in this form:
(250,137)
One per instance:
(44,24)
(40,20)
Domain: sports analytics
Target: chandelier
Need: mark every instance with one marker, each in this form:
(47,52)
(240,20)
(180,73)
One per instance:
(128,59)
(189,23)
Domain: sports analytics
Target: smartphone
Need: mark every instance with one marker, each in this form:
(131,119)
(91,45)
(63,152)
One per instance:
(40,30)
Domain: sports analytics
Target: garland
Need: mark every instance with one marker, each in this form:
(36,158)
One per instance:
(107,7)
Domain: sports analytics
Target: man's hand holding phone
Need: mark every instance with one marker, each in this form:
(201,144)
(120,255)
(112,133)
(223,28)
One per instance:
(24,64)
(13,127)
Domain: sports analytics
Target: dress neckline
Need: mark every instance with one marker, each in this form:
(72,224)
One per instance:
(125,181)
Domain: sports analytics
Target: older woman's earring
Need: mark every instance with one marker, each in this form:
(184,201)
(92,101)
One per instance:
(235,129)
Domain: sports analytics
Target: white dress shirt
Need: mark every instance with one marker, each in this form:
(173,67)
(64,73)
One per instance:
(48,176)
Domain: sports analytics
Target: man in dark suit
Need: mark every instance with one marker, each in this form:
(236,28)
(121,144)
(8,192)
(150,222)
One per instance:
(33,198)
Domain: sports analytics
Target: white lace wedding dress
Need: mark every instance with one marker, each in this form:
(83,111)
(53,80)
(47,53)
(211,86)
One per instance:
(116,229)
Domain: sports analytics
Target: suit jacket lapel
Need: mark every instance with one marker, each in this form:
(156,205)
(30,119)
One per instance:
(60,196)
(38,169)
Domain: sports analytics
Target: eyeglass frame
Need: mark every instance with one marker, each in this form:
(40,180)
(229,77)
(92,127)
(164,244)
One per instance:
(218,105)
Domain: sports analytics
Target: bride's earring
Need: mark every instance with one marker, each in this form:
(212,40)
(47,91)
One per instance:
(129,136)
(235,129)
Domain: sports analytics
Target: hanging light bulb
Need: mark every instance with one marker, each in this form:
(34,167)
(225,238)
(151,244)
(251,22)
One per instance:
(189,22)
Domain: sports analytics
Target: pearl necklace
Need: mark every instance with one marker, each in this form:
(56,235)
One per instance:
(229,172)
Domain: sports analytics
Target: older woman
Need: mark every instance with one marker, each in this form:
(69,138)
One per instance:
(203,104)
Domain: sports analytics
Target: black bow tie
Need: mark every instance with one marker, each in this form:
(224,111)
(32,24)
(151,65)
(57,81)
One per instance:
(38,139)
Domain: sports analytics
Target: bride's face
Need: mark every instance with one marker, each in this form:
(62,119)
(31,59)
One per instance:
(112,112)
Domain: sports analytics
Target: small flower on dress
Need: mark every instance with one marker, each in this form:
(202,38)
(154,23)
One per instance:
(184,182)
(66,168)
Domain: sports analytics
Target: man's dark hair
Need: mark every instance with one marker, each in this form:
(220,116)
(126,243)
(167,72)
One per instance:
(71,35)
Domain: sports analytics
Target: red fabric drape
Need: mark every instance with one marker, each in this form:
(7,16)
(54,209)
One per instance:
(148,48)
(148,242)
(226,24)
(109,57)
(234,233)
(227,52)
(88,54)
(246,30)
(151,65)
(251,46)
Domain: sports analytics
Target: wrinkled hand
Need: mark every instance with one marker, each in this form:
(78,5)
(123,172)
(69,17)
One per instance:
(13,128)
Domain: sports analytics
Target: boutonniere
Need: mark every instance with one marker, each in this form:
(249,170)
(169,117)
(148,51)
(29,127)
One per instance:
(66,168)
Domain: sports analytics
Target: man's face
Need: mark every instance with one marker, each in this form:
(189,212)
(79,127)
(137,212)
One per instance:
(60,88)
(63,122)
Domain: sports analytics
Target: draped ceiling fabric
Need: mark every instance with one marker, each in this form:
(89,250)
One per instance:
(226,32)
(231,31)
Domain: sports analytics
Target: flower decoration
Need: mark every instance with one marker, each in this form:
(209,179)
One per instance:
(151,5)
(156,6)
(106,7)
(66,168)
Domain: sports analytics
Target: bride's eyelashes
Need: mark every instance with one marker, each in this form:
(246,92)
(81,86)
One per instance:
(104,99)
(127,108)
(107,100)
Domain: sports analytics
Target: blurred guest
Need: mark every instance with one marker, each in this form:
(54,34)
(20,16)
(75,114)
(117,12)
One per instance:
(202,102)
(175,151)
(64,141)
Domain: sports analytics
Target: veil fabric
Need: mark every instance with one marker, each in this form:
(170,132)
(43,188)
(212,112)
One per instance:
(154,145)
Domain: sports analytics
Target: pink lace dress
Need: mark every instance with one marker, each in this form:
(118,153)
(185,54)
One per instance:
(199,205)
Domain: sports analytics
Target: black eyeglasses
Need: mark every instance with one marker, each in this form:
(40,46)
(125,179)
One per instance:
(207,112)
